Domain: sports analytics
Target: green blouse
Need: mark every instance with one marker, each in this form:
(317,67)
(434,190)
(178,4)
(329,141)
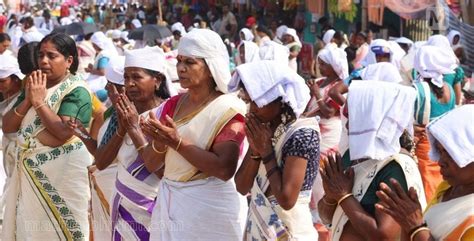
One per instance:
(71,105)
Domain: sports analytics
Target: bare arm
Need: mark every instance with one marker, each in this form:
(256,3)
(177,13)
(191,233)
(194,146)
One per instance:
(12,120)
(337,92)
(246,174)
(458,93)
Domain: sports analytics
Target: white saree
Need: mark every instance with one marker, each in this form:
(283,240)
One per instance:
(365,172)
(49,190)
(192,206)
(266,219)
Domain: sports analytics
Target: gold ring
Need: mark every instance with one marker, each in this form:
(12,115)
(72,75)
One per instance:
(156,131)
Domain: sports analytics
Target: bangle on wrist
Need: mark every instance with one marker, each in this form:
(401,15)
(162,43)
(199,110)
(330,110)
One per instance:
(18,113)
(343,198)
(141,147)
(156,150)
(39,106)
(268,157)
(179,144)
(417,231)
(417,227)
(255,157)
(272,171)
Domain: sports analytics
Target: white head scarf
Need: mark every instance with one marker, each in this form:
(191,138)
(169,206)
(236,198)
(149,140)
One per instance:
(292,32)
(266,81)
(104,43)
(451,35)
(205,43)
(375,122)
(328,35)
(124,36)
(9,66)
(115,69)
(271,50)
(404,40)
(337,58)
(376,43)
(280,30)
(251,51)
(455,133)
(247,34)
(178,27)
(383,71)
(151,58)
(136,23)
(396,53)
(116,34)
(434,62)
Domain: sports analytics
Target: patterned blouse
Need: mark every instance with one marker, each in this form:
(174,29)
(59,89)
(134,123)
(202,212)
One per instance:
(304,143)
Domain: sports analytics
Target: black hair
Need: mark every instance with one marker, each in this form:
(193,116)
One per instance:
(66,46)
(263,29)
(88,36)
(177,32)
(4,37)
(162,90)
(351,55)
(439,92)
(46,14)
(406,141)
(28,21)
(28,57)
(363,35)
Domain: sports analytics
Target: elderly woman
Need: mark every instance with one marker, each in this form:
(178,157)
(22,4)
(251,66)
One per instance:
(435,97)
(282,163)
(374,156)
(198,136)
(48,151)
(135,187)
(450,214)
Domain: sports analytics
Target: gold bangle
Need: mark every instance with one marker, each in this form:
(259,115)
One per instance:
(343,198)
(156,150)
(118,134)
(328,203)
(141,147)
(39,106)
(418,230)
(18,113)
(179,143)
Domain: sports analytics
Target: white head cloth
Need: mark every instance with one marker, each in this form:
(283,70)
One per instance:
(151,58)
(451,35)
(248,35)
(9,66)
(433,62)
(178,26)
(136,23)
(266,80)
(251,51)
(404,40)
(337,58)
(280,30)
(455,133)
(442,42)
(207,44)
(292,32)
(124,36)
(271,50)
(375,122)
(104,43)
(328,35)
(396,53)
(383,71)
(115,69)
(116,34)
(32,36)
(370,57)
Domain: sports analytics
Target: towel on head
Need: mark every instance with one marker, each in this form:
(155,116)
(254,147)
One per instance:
(434,62)
(454,131)
(266,81)
(337,58)
(382,72)
(375,122)
(207,44)
(248,35)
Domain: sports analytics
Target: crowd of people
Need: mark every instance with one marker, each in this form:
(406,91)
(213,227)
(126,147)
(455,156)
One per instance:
(212,133)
